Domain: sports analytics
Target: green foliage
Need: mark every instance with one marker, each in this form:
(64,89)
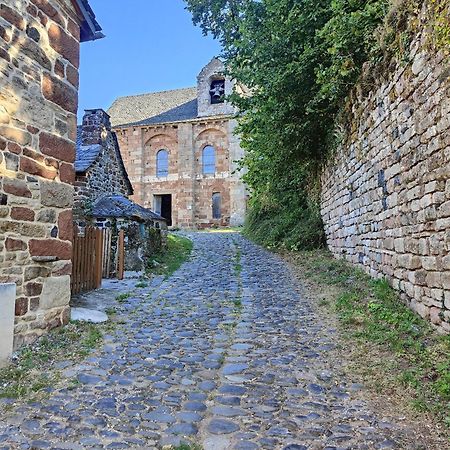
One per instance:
(154,240)
(33,371)
(168,261)
(187,447)
(293,225)
(373,316)
(122,297)
(237,262)
(111,311)
(440,13)
(300,60)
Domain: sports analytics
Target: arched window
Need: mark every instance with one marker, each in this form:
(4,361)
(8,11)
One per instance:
(209,160)
(162,163)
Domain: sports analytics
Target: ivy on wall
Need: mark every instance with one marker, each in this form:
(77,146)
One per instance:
(300,59)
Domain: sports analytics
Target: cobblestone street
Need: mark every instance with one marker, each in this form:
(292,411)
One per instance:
(226,354)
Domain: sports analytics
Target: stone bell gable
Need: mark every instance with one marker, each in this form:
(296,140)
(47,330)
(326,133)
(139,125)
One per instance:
(212,89)
(39,61)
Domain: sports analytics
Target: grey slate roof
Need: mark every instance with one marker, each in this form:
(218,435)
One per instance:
(86,154)
(121,207)
(156,107)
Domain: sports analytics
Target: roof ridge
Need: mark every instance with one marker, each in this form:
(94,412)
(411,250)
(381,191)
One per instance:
(155,92)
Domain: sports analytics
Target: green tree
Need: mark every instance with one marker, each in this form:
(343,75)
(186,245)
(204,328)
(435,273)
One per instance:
(299,59)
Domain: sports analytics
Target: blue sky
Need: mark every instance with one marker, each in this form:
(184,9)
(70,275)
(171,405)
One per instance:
(150,45)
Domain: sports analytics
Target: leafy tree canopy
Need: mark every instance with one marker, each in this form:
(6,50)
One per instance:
(300,59)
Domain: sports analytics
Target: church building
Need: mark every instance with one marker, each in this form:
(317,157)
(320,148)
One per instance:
(181,153)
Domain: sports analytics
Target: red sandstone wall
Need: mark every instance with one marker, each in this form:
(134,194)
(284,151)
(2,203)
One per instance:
(39,59)
(191,190)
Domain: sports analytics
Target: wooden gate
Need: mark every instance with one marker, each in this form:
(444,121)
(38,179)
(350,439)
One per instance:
(121,255)
(87,260)
(107,238)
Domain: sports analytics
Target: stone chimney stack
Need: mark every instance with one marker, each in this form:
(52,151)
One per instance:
(95,127)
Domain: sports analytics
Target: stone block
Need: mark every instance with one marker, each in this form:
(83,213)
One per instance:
(16,135)
(33,168)
(65,225)
(64,44)
(50,248)
(435,317)
(16,187)
(33,272)
(56,194)
(19,213)
(7,309)
(12,16)
(33,50)
(60,93)
(67,173)
(57,147)
(13,245)
(49,10)
(55,293)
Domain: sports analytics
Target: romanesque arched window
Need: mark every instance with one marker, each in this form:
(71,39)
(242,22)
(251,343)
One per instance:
(162,163)
(209,160)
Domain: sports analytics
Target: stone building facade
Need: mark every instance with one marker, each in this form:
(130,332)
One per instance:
(102,191)
(386,193)
(181,152)
(99,167)
(39,59)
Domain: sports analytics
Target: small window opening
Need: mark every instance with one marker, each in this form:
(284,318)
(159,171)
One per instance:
(217,91)
(216,205)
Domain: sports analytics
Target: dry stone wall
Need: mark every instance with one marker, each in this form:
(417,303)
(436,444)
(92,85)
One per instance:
(386,192)
(39,58)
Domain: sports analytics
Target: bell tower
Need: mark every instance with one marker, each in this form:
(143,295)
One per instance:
(213,88)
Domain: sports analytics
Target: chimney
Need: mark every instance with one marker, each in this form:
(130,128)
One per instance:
(95,127)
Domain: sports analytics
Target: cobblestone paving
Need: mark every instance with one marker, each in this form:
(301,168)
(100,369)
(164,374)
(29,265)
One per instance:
(226,354)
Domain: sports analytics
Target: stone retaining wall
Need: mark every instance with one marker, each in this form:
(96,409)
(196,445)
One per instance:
(386,193)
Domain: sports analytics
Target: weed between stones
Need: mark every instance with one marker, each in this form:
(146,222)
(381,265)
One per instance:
(27,374)
(166,263)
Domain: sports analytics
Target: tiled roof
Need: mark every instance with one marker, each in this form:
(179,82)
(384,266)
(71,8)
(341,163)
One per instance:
(121,207)
(86,154)
(157,107)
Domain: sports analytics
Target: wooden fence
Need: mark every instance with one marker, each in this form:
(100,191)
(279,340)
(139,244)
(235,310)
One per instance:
(107,239)
(87,260)
(121,255)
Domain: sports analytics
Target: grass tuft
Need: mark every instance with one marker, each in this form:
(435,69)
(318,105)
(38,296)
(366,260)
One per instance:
(33,371)
(397,347)
(122,297)
(166,263)
(188,447)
